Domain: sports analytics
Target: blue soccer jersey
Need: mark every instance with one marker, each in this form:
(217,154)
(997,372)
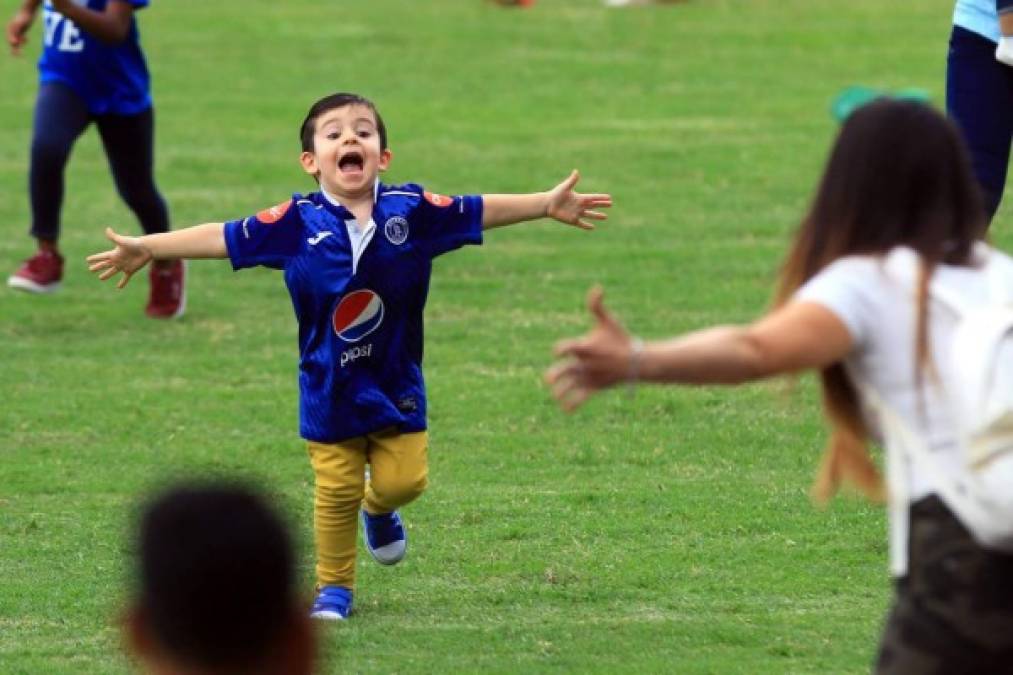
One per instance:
(110,78)
(360,315)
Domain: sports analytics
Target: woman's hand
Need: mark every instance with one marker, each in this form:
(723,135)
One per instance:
(601,359)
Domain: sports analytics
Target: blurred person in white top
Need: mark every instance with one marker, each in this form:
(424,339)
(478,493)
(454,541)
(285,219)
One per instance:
(897,177)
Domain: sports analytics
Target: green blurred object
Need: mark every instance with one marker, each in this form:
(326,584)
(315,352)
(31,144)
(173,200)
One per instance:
(854,97)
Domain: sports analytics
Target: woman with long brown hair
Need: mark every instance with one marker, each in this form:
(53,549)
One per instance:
(897,184)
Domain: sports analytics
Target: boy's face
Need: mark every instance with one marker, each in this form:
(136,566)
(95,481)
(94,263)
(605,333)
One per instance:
(346,156)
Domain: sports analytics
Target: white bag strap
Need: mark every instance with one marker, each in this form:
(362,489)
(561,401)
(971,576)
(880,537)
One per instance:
(955,488)
(898,506)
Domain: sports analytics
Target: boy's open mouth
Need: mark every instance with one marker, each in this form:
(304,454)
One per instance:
(350,163)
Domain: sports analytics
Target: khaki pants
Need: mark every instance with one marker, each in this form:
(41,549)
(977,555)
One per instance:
(398,474)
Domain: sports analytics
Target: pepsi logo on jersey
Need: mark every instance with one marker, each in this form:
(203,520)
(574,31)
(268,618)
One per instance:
(357,315)
(356,352)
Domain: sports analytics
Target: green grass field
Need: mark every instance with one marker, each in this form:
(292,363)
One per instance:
(662,531)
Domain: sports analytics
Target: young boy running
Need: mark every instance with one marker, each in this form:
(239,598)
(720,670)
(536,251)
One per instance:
(357,257)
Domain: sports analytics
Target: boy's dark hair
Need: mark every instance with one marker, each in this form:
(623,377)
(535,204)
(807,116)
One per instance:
(216,575)
(333,102)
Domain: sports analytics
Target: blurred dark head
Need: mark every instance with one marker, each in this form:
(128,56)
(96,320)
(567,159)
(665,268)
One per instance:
(216,580)
(333,102)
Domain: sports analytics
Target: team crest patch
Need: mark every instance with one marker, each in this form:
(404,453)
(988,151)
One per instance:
(396,230)
(275,213)
(438,200)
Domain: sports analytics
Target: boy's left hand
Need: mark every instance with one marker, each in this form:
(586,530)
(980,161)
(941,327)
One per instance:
(574,208)
(129,256)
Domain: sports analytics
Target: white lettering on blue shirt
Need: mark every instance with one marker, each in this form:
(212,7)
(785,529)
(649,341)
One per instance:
(70,40)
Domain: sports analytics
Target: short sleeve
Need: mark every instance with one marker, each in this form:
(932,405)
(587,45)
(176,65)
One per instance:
(271,238)
(137,4)
(447,223)
(848,288)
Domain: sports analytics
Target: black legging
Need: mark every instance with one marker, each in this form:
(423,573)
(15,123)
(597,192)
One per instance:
(979,98)
(60,117)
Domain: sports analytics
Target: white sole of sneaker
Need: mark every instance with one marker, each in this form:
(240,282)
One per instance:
(30,286)
(182,296)
(327,616)
(392,553)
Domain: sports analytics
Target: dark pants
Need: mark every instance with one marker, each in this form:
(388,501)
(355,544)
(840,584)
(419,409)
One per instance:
(60,118)
(1003,6)
(953,612)
(979,98)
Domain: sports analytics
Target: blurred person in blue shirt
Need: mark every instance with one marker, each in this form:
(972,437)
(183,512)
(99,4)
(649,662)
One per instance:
(92,69)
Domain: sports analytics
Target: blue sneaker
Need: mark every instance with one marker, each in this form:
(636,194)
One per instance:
(333,603)
(386,539)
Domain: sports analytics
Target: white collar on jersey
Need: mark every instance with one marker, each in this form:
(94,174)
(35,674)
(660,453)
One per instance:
(358,238)
(334,200)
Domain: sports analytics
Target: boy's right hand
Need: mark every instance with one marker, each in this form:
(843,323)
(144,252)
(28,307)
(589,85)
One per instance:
(129,256)
(17,29)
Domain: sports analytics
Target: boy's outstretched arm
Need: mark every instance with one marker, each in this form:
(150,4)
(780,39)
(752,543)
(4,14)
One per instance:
(133,253)
(560,203)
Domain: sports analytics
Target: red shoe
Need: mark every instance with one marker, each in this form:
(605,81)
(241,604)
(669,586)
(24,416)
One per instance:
(168,292)
(39,274)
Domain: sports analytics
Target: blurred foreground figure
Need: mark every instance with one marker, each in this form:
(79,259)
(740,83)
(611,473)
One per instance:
(216,587)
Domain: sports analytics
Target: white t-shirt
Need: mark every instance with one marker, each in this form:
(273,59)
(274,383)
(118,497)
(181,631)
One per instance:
(880,312)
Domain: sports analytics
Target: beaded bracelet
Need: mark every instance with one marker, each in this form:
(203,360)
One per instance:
(636,351)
